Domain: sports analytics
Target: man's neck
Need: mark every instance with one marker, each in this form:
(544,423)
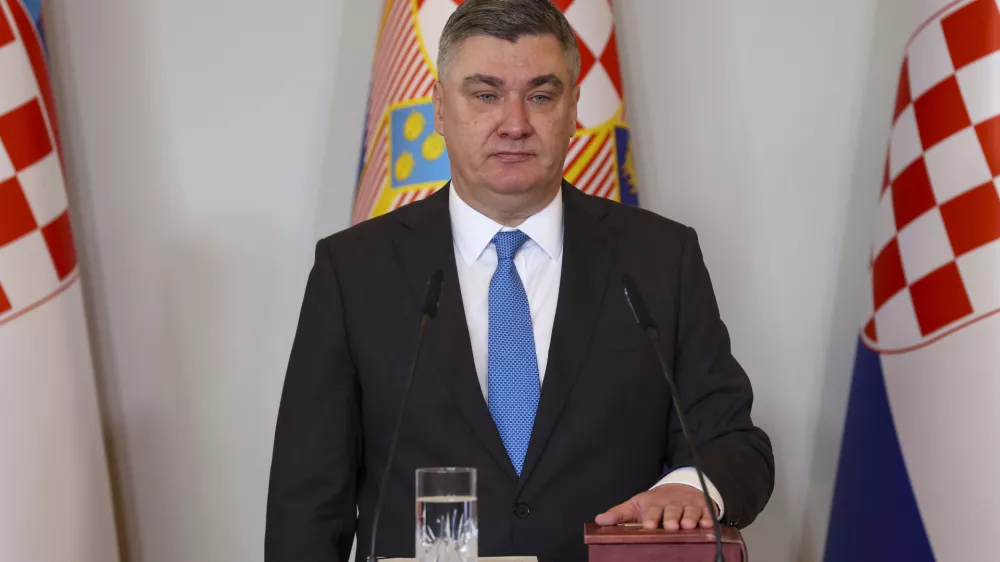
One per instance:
(508,211)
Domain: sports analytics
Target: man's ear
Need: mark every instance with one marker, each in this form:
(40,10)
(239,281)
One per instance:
(438,96)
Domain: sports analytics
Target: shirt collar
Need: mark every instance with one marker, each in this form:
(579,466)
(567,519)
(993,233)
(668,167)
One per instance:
(473,231)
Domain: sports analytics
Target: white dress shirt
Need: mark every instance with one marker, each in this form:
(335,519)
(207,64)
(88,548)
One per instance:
(539,265)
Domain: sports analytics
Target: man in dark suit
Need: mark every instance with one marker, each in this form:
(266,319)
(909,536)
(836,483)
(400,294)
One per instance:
(535,372)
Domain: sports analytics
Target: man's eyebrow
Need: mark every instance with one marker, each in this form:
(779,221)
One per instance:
(492,81)
(549,79)
(497,82)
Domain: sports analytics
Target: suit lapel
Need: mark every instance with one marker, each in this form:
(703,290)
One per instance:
(588,252)
(424,245)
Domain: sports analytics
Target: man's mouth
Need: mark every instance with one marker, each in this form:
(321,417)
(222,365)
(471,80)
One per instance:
(512,156)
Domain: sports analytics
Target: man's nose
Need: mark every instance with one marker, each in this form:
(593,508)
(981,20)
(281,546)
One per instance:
(515,119)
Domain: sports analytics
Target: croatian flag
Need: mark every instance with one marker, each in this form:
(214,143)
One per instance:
(55,498)
(919,470)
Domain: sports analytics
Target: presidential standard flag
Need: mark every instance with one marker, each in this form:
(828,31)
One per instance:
(404,160)
(55,501)
(919,471)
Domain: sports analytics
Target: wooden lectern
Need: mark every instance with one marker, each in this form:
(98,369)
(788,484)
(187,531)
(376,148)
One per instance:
(632,543)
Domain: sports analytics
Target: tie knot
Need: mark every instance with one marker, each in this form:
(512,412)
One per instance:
(508,243)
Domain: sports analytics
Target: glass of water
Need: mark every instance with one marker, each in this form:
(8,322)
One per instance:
(447,516)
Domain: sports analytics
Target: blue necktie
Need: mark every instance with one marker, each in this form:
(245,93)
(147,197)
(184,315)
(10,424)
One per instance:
(513,384)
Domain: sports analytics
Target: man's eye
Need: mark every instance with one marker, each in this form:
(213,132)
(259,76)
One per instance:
(487,97)
(540,98)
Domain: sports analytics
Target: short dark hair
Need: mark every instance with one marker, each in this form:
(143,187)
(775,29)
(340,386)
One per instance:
(508,20)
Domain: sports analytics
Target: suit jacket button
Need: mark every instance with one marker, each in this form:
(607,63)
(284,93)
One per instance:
(521,510)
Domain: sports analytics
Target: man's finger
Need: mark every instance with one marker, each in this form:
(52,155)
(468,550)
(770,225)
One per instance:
(671,517)
(651,516)
(706,519)
(692,514)
(621,513)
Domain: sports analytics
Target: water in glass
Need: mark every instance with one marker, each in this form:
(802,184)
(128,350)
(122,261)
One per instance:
(446,529)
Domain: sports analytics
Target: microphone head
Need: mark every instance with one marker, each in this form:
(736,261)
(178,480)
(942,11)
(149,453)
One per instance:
(639,309)
(432,295)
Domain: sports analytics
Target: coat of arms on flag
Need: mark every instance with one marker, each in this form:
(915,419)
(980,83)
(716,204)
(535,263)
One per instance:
(37,255)
(939,214)
(404,159)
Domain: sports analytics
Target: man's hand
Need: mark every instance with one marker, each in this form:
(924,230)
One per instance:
(676,506)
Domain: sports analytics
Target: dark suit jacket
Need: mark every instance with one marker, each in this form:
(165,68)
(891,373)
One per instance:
(604,429)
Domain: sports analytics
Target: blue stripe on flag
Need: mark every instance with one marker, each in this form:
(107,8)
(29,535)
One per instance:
(34,8)
(874,514)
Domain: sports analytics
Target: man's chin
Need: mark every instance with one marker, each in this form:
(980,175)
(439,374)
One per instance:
(517,184)
(514,189)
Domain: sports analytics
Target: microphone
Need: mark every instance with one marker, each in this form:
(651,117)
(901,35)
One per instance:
(432,295)
(645,320)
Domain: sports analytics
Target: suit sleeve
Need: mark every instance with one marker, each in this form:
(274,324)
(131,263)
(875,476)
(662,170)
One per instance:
(312,494)
(716,395)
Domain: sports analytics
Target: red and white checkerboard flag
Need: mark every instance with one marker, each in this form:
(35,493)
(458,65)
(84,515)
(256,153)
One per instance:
(55,500)
(921,449)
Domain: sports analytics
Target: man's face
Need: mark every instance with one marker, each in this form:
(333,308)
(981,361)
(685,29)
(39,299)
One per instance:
(507,112)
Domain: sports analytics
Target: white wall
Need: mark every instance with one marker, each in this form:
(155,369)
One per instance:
(211,143)
(197,137)
(750,130)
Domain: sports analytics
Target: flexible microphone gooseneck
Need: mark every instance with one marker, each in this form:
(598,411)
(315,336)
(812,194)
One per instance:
(432,295)
(645,320)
